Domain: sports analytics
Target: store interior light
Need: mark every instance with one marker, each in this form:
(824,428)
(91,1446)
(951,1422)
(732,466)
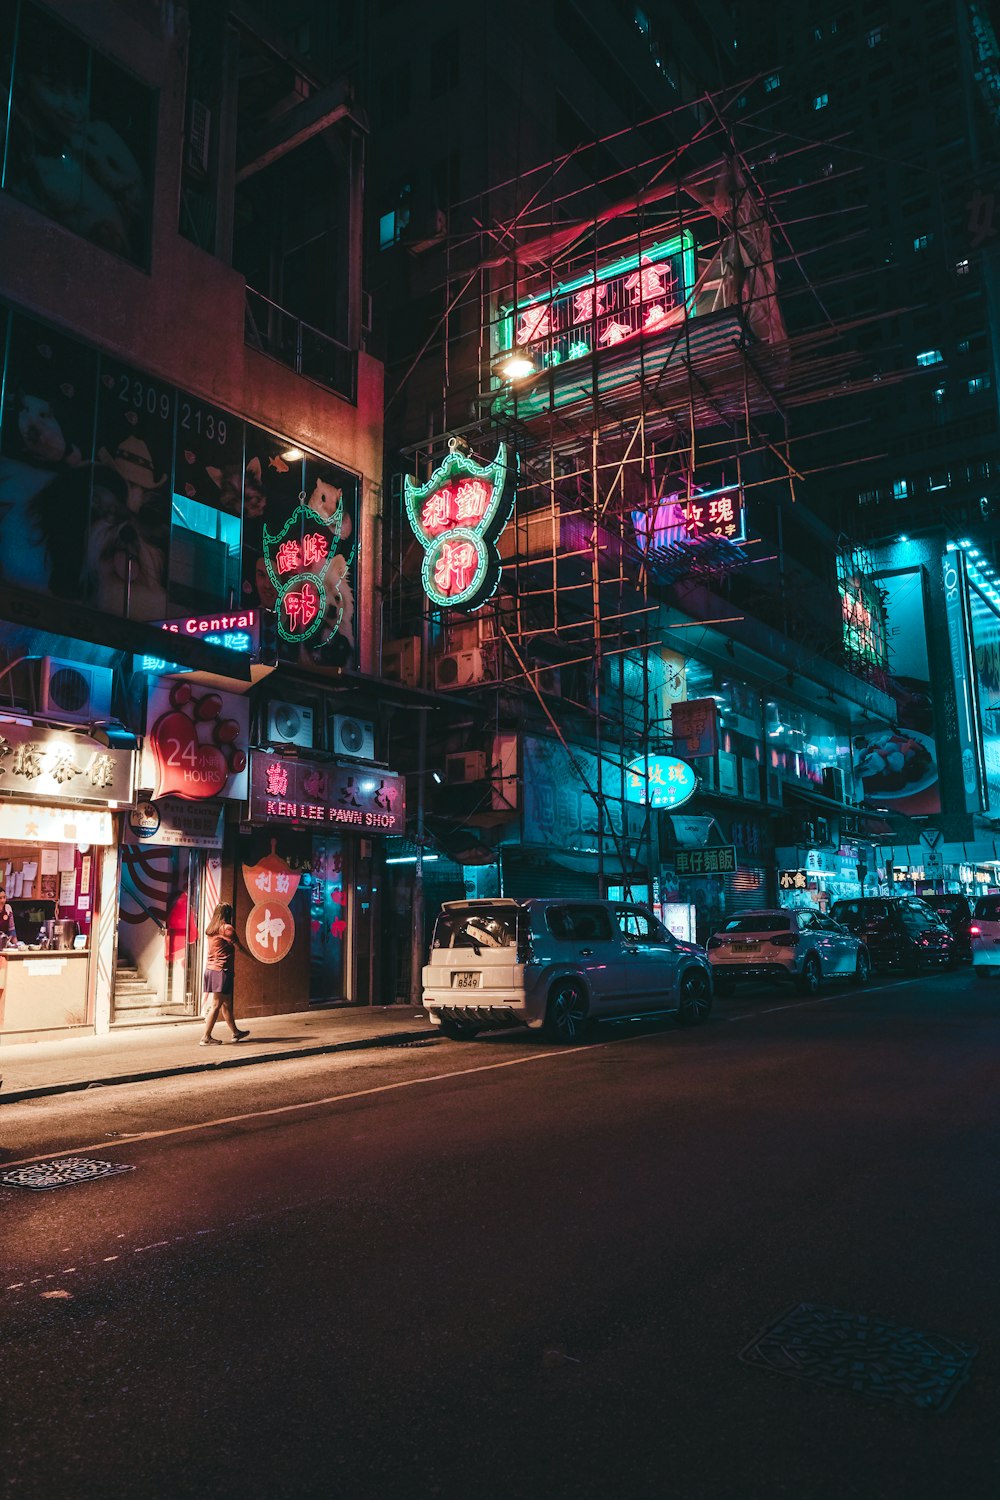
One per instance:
(411,859)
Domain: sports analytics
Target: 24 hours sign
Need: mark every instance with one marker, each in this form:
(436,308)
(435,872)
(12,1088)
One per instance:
(196,741)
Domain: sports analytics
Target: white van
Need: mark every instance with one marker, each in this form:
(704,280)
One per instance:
(558,965)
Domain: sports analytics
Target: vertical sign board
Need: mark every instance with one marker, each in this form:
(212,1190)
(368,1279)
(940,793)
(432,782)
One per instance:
(457,517)
(956,606)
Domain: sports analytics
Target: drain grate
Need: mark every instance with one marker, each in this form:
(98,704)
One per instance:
(422,1041)
(62,1171)
(865,1355)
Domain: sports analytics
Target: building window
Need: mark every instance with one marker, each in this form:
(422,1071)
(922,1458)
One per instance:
(772,82)
(876,35)
(939,392)
(978,383)
(900,489)
(921,241)
(821,101)
(930,357)
(95,174)
(961,268)
(939,480)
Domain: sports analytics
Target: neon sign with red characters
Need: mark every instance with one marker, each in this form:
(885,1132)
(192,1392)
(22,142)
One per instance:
(297,559)
(457,517)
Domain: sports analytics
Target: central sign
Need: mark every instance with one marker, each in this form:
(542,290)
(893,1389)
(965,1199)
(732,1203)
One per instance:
(457,517)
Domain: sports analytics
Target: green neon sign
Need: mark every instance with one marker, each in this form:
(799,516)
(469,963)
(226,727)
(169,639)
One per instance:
(297,559)
(457,517)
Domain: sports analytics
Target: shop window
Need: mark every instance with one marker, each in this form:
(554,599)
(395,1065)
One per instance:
(81,141)
(205,563)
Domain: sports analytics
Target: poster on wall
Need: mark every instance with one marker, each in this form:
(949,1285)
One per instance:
(196,742)
(897,767)
(559,808)
(299,548)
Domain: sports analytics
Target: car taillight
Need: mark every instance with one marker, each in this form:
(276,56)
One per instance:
(714,942)
(974,931)
(785,940)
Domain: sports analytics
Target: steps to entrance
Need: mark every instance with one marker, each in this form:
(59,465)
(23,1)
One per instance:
(136,1001)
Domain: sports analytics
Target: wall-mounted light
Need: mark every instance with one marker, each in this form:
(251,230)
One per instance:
(515,366)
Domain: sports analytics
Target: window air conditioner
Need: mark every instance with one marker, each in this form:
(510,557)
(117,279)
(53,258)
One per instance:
(473,765)
(353,737)
(289,724)
(728,779)
(458,669)
(75,692)
(401,660)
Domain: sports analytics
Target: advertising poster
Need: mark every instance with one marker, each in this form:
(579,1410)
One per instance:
(196,742)
(559,810)
(897,768)
(986,649)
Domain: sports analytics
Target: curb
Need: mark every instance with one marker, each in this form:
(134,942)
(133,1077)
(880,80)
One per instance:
(244,1060)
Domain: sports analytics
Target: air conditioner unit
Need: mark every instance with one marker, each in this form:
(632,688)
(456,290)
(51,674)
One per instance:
(834,785)
(401,660)
(463,637)
(458,669)
(728,778)
(73,691)
(473,765)
(548,680)
(289,724)
(353,737)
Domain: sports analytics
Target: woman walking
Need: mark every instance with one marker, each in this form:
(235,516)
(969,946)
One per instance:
(219,964)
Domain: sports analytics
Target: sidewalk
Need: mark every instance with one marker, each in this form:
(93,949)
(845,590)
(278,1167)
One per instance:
(31,1069)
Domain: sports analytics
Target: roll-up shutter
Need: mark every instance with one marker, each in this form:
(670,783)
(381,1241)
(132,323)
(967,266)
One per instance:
(524,877)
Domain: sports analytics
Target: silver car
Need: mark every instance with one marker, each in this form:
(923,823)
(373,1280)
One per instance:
(557,965)
(803,947)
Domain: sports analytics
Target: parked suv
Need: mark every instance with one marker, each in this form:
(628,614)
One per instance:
(986,936)
(557,965)
(900,931)
(956,913)
(804,947)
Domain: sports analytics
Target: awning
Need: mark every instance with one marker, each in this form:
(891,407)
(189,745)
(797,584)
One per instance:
(690,831)
(817,799)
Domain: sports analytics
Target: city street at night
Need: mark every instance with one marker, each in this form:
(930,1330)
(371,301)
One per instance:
(506,1269)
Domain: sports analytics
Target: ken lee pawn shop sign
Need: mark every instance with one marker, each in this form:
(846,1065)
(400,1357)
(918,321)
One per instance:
(303,791)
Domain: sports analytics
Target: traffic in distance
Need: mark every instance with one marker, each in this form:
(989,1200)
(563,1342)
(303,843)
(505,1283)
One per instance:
(562,966)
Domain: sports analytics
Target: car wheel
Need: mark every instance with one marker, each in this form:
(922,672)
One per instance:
(811,978)
(566,1012)
(458,1031)
(695,998)
(863,969)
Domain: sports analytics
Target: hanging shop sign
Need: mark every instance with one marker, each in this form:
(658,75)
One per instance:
(196,742)
(703,516)
(640,293)
(298,558)
(34,823)
(173,823)
(40,762)
(794,880)
(270,929)
(695,727)
(283,790)
(718,861)
(660,780)
(457,517)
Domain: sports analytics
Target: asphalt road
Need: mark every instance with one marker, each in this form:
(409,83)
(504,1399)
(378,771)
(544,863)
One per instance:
(497,1269)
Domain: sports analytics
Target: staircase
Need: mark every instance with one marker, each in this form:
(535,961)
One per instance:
(136,1000)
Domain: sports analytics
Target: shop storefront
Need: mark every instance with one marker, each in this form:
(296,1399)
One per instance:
(307,882)
(61,801)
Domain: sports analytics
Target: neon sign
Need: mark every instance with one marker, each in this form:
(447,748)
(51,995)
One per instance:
(646,293)
(707,514)
(457,517)
(297,559)
(660,781)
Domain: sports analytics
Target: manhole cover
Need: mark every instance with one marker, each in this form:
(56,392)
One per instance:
(62,1171)
(862,1354)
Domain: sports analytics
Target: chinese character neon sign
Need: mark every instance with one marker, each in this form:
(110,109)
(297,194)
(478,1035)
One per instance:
(648,292)
(297,559)
(457,517)
(660,781)
(707,514)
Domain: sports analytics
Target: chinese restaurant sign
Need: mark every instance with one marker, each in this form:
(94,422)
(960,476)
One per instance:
(457,517)
(196,742)
(644,293)
(283,790)
(707,514)
(298,558)
(660,780)
(718,861)
(695,727)
(794,880)
(39,763)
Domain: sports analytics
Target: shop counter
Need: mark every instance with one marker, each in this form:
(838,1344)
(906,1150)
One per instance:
(43,989)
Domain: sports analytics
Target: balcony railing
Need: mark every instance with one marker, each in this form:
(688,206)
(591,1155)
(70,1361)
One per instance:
(306,350)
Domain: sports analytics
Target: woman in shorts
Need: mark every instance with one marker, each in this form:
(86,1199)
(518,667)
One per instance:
(219,965)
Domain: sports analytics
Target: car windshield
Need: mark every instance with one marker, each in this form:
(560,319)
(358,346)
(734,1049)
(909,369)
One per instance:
(988,909)
(476,927)
(766,921)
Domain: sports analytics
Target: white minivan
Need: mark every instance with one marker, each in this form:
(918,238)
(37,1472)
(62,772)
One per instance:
(985,935)
(557,964)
